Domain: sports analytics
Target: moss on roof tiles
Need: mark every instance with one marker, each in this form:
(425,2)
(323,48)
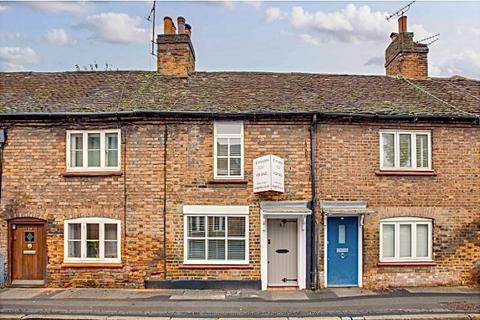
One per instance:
(232,92)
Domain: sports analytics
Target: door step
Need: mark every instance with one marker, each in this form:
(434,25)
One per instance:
(28,283)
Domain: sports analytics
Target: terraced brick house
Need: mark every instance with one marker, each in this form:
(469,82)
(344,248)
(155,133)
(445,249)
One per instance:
(182,179)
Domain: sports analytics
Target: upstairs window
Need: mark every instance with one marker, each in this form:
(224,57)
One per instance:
(228,150)
(97,150)
(405,239)
(92,240)
(405,150)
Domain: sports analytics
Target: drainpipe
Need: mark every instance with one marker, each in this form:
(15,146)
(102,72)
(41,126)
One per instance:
(313,229)
(3,139)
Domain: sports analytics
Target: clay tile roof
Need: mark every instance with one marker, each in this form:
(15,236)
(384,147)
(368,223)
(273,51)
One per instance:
(235,92)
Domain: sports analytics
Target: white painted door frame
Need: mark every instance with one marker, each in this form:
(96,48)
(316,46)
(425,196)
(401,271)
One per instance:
(301,246)
(360,245)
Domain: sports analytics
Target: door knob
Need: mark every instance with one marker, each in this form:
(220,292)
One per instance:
(342,255)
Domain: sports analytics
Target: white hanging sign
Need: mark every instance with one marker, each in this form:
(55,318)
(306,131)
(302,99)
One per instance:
(268,174)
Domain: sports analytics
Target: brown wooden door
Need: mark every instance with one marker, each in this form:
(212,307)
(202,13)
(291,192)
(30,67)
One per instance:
(28,252)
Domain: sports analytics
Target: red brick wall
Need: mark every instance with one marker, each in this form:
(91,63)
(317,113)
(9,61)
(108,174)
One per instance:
(33,186)
(190,167)
(347,158)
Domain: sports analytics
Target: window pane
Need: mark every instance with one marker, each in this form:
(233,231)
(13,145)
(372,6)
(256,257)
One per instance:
(74,231)
(405,151)
(216,249)
(74,249)
(341,234)
(111,141)
(422,150)
(405,240)
(93,150)
(76,150)
(196,226)
(216,226)
(422,240)
(222,166)
(112,158)
(110,231)
(228,128)
(235,149)
(110,249)
(93,231)
(236,249)
(196,249)
(236,226)
(222,147)
(235,167)
(93,249)
(388,240)
(388,140)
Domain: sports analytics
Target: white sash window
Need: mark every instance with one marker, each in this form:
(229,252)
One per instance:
(405,239)
(92,240)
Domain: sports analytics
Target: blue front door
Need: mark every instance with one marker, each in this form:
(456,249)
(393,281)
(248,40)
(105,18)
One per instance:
(342,251)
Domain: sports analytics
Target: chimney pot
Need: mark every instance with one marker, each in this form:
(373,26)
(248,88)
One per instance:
(402,24)
(188,29)
(168,26)
(181,25)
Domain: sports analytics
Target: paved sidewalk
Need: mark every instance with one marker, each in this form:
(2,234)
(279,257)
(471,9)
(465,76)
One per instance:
(352,303)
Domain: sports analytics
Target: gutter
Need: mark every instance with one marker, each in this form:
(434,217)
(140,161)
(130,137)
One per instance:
(466,118)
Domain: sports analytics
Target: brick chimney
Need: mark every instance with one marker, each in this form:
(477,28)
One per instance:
(404,56)
(175,54)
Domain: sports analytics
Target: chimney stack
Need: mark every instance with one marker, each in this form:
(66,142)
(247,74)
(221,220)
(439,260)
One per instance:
(175,54)
(404,57)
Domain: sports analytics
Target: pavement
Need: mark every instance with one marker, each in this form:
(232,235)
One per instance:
(325,304)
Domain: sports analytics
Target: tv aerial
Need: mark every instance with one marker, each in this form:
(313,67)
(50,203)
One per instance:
(151,18)
(429,40)
(400,12)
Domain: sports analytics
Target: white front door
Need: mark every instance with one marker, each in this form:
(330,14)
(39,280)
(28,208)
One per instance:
(282,252)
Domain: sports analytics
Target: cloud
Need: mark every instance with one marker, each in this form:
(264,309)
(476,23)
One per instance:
(58,37)
(16,58)
(350,24)
(58,7)
(273,14)
(465,63)
(375,61)
(9,36)
(309,39)
(3,7)
(255,4)
(419,32)
(117,28)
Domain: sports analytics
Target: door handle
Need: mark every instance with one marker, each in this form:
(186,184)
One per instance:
(281,251)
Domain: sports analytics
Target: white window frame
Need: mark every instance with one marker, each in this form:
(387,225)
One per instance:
(413,154)
(215,211)
(83,222)
(226,136)
(102,167)
(413,222)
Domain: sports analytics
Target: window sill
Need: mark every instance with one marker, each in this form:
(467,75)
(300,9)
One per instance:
(405,173)
(91,265)
(215,266)
(407,264)
(227,181)
(91,173)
